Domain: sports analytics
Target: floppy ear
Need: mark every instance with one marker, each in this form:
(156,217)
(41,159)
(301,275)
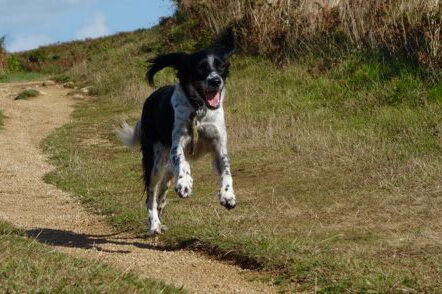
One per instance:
(174,60)
(225,42)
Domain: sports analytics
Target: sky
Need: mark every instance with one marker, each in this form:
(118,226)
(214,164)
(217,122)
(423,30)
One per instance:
(29,24)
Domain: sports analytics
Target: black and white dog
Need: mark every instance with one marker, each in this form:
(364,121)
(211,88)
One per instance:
(183,122)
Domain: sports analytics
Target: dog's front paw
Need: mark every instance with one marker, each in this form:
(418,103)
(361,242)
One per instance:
(184,186)
(154,231)
(227,198)
(155,228)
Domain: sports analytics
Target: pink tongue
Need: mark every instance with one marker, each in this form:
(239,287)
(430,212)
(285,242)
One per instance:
(213,99)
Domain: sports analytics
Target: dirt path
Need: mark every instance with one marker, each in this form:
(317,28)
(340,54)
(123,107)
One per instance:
(58,219)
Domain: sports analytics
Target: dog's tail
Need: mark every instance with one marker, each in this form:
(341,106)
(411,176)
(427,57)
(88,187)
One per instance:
(131,137)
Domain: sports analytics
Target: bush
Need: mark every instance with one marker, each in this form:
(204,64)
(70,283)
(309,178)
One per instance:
(14,63)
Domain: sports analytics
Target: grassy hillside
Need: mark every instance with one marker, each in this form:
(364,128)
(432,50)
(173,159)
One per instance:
(27,266)
(55,60)
(337,167)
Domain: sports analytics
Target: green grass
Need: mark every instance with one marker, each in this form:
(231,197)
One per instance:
(26,94)
(21,76)
(26,266)
(337,171)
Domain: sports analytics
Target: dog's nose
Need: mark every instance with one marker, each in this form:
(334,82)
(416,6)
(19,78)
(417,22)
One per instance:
(215,82)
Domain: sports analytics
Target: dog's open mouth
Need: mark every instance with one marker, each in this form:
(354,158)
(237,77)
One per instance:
(213,99)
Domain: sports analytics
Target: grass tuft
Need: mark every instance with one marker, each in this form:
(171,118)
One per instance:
(26,94)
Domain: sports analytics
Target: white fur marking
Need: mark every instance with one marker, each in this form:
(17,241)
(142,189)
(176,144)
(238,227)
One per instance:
(129,136)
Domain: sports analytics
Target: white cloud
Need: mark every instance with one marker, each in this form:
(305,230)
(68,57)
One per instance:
(27,42)
(95,27)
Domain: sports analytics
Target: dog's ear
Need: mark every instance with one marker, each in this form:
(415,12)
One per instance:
(174,60)
(225,42)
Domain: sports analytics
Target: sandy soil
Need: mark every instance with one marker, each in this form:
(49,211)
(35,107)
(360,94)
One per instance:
(56,218)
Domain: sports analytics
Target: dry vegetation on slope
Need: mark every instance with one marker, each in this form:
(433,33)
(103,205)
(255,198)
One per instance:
(408,29)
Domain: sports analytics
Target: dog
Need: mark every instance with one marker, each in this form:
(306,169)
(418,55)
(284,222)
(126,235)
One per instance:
(183,122)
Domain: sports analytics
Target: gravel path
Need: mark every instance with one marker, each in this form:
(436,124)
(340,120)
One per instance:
(56,218)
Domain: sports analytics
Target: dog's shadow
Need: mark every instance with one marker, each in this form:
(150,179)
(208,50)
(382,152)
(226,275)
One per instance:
(90,241)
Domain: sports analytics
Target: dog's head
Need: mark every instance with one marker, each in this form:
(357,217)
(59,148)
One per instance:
(202,74)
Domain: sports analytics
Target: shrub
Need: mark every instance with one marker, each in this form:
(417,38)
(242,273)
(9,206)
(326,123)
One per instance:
(14,63)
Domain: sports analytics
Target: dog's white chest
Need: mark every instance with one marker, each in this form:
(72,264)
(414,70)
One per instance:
(205,132)
(211,125)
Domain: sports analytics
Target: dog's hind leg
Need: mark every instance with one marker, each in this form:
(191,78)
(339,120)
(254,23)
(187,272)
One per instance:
(152,162)
(162,191)
(151,203)
(163,186)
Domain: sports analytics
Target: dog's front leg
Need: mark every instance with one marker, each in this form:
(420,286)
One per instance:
(226,195)
(181,167)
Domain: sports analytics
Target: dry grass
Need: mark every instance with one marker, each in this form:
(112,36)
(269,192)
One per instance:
(296,27)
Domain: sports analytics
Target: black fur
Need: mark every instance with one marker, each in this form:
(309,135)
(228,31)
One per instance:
(174,60)
(156,126)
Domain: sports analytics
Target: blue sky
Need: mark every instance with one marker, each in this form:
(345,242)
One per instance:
(28,24)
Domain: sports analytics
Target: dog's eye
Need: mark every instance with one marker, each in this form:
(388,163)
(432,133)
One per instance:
(202,68)
(221,66)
